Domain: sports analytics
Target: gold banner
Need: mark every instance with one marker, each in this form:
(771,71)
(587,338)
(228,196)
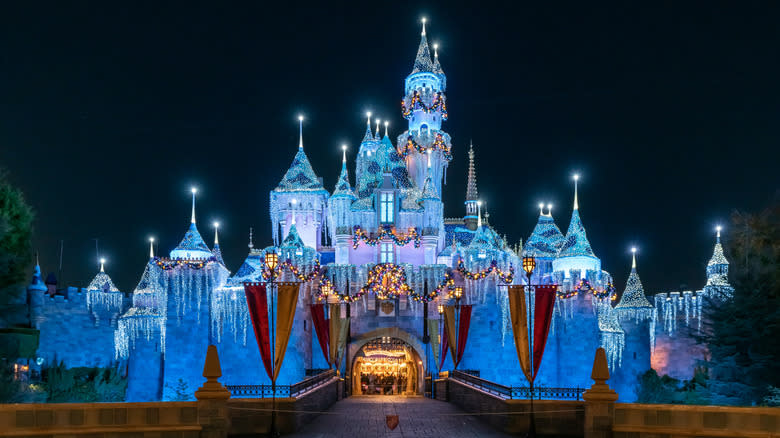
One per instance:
(433,332)
(287,301)
(519,315)
(452,330)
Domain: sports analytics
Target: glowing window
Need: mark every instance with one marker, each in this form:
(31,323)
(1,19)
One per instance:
(386,252)
(386,207)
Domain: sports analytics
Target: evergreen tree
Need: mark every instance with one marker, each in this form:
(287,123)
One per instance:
(742,334)
(15,235)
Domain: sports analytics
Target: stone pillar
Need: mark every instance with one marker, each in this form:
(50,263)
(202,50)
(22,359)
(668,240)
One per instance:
(429,246)
(599,400)
(342,243)
(213,415)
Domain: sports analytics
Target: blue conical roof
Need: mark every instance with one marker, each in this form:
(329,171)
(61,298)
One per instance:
(546,239)
(300,176)
(37,281)
(217,251)
(192,241)
(576,242)
(293,239)
(102,282)
(250,270)
(422,62)
(634,295)
(342,185)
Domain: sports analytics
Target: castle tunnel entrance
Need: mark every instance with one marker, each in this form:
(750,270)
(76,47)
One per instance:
(387,366)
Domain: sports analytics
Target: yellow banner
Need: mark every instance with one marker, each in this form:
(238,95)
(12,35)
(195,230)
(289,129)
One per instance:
(433,332)
(519,315)
(285,314)
(452,330)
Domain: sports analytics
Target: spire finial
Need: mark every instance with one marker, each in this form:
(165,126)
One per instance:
(479,214)
(300,131)
(377,127)
(541,209)
(435,51)
(194,191)
(344,154)
(471,182)
(633,258)
(216,233)
(294,201)
(386,123)
(718,228)
(576,179)
(37,259)
(423,26)
(102,262)
(151,247)
(251,244)
(549,210)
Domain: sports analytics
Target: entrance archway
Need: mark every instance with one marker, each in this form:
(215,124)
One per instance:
(386,366)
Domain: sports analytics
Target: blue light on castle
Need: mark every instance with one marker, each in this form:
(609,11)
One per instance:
(393,217)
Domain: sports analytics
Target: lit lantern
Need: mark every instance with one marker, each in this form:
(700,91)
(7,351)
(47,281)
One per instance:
(271,260)
(529,264)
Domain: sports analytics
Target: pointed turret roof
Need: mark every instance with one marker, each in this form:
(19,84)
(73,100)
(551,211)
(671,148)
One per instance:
(37,280)
(546,239)
(102,282)
(192,241)
(471,185)
(436,66)
(147,283)
(423,63)
(429,189)
(300,176)
(369,136)
(717,254)
(250,270)
(576,242)
(343,189)
(293,239)
(634,296)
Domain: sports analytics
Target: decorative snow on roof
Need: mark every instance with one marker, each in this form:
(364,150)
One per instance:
(422,62)
(250,270)
(634,303)
(102,282)
(717,256)
(192,245)
(293,239)
(576,241)
(485,238)
(218,253)
(385,158)
(546,239)
(429,189)
(342,185)
(300,176)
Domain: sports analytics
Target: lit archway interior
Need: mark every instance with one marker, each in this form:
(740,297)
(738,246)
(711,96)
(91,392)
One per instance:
(387,366)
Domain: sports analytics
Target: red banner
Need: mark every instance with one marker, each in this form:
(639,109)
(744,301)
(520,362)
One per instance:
(544,303)
(257,302)
(444,347)
(321,327)
(463,330)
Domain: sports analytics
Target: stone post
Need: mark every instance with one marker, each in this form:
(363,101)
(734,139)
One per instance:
(599,400)
(213,415)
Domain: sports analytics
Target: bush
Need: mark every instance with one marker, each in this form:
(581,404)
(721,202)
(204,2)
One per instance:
(83,384)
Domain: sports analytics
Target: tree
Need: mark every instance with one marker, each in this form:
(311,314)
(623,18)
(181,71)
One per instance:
(16,219)
(741,334)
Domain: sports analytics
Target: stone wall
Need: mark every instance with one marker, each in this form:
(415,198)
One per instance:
(72,333)
(646,421)
(553,417)
(174,419)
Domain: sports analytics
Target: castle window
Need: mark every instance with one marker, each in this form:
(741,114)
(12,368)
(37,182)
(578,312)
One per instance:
(386,207)
(386,252)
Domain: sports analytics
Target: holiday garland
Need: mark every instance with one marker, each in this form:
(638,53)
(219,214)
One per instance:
(287,264)
(438,145)
(168,264)
(506,277)
(417,103)
(384,232)
(584,286)
(387,280)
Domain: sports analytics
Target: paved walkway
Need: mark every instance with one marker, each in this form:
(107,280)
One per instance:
(419,417)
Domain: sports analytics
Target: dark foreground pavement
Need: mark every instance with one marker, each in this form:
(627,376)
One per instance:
(419,417)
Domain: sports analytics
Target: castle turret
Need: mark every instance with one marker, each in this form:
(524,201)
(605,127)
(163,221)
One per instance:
(718,272)
(545,241)
(192,245)
(35,292)
(217,251)
(433,217)
(424,106)
(104,300)
(301,194)
(576,253)
(339,213)
(472,198)
(633,303)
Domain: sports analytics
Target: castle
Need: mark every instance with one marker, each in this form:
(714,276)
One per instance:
(385,248)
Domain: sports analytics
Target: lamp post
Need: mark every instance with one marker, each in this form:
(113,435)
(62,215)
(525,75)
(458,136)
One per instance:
(272,262)
(529,264)
(458,295)
(426,339)
(440,309)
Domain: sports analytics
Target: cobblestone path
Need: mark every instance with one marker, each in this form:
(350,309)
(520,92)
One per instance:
(419,417)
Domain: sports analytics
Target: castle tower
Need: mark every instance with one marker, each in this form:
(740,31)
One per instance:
(424,106)
(340,218)
(471,219)
(545,241)
(576,253)
(192,245)
(299,198)
(433,217)
(35,292)
(718,272)
(633,303)
(217,251)
(104,300)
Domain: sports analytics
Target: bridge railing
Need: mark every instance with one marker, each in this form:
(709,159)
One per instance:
(518,392)
(294,390)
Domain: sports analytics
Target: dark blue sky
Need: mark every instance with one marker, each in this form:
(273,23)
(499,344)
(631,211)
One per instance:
(109,112)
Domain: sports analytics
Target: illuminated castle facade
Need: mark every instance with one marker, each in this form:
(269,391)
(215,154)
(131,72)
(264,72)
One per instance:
(384,246)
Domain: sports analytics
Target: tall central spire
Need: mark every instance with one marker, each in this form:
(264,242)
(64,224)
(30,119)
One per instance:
(194,191)
(423,60)
(471,186)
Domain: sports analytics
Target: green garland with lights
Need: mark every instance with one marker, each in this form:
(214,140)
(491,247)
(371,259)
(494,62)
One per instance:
(506,277)
(360,234)
(438,145)
(438,104)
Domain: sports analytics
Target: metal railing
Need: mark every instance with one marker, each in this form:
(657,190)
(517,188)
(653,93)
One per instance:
(265,391)
(518,392)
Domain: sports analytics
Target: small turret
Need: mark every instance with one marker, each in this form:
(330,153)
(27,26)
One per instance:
(35,292)
(718,271)
(192,245)
(217,251)
(633,304)
(576,252)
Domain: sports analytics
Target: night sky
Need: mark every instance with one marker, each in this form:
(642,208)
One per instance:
(109,112)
